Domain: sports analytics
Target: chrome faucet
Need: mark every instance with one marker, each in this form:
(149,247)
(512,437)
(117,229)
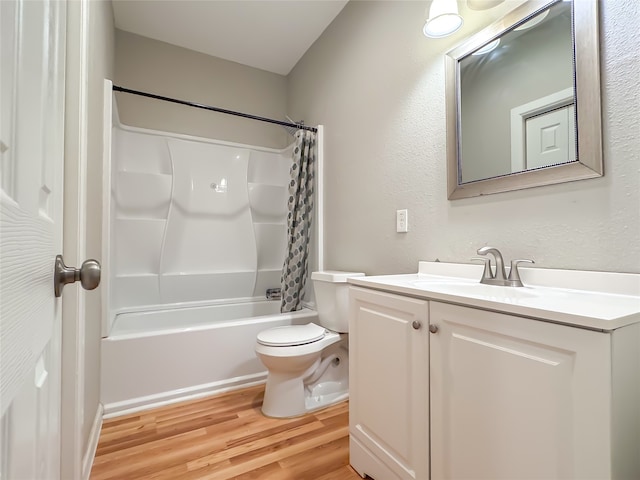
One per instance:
(500,277)
(273,294)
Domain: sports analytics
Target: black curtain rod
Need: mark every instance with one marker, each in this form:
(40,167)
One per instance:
(214,109)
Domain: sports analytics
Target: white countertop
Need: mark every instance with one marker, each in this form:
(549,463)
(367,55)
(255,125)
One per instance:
(600,300)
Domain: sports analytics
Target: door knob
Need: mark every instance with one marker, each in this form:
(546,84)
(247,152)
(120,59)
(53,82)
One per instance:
(433,328)
(88,274)
(416,325)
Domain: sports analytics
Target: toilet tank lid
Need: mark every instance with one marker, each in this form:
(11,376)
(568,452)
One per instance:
(334,276)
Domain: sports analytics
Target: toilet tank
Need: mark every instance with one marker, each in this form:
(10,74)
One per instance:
(332,298)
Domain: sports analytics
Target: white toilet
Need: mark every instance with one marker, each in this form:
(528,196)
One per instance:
(308,365)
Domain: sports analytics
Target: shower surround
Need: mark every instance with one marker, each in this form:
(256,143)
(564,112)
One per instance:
(195,220)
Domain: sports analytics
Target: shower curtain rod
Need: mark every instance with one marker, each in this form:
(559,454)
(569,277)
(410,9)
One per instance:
(214,109)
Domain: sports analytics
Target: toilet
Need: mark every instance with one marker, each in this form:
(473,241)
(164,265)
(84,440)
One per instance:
(308,365)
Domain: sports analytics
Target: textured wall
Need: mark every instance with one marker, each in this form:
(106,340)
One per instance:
(377,84)
(164,69)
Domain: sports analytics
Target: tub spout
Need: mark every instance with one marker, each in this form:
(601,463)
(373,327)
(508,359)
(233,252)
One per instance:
(273,294)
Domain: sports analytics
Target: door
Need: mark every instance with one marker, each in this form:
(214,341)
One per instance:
(550,138)
(32,152)
(515,398)
(388,384)
(543,131)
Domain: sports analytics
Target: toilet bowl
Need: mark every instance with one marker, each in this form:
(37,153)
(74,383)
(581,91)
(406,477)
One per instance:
(308,365)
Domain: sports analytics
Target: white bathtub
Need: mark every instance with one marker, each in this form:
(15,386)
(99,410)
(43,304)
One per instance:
(157,357)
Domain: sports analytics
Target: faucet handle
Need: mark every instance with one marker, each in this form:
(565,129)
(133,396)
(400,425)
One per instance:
(487,273)
(514,274)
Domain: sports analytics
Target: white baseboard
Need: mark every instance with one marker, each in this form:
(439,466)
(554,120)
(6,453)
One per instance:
(92,444)
(134,405)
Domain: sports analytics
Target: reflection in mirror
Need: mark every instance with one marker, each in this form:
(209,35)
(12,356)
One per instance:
(521,76)
(513,117)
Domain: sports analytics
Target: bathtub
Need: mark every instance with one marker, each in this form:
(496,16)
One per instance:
(153,358)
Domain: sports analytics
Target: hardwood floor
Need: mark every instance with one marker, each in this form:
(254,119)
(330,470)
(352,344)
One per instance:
(225,437)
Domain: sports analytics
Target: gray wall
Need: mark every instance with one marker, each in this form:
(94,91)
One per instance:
(157,67)
(101,61)
(377,84)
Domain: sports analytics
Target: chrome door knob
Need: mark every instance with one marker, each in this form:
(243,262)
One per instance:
(416,325)
(88,274)
(433,328)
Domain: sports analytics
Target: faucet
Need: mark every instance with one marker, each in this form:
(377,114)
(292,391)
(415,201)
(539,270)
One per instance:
(500,277)
(273,294)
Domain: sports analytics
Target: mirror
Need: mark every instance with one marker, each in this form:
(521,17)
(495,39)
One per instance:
(523,101)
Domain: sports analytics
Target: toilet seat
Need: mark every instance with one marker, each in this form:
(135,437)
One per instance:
(291,335)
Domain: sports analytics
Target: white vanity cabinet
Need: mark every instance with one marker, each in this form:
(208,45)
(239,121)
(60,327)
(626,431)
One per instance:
(518,398)
(439,390)
(388,385)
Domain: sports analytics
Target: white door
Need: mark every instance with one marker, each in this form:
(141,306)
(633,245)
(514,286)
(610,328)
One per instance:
(543,131)
(32,150)
(550,138)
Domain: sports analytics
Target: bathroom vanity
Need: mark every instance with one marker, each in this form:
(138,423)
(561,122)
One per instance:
(452,379)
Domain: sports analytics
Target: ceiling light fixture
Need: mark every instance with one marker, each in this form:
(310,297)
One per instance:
(443,19)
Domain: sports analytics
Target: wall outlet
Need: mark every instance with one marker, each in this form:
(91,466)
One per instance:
(402,221)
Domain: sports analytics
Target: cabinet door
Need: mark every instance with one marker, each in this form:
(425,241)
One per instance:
(515,398)
(389,375)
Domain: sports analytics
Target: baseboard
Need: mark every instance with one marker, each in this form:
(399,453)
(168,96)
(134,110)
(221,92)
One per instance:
(134,405)
(92,444)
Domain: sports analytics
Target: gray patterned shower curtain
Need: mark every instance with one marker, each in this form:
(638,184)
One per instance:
(301,188)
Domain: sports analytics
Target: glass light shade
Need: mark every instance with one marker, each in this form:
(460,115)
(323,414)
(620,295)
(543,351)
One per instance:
(443,19)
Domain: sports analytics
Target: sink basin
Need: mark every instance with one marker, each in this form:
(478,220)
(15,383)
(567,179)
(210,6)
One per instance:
(469,288)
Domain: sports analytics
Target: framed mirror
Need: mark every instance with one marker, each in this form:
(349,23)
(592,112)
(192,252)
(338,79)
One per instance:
(523,101)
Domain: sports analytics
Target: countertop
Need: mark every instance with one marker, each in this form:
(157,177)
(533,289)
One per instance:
(587,306)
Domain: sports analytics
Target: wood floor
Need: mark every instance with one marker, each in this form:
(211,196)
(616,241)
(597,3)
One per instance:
(225,437)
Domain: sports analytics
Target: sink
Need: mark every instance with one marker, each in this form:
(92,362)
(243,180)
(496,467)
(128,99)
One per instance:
(468,288)
(596,300)
(427,282)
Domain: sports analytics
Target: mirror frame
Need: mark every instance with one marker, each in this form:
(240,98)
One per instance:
(588,109)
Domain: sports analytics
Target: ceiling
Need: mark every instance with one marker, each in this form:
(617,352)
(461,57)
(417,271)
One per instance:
(270,35)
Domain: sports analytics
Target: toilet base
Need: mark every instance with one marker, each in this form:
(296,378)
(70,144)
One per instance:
(288,396)
(311,404)
(284,396)
(316,403)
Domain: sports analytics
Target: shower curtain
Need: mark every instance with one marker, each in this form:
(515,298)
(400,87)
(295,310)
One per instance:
(294,270)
